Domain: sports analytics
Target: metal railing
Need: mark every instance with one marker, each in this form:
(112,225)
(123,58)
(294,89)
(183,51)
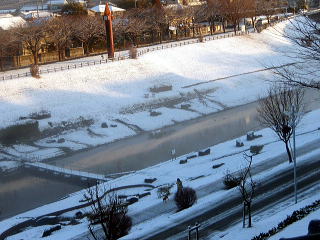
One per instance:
(126,56)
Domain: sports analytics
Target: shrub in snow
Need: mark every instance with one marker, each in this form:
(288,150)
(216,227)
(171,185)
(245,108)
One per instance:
(154,113)
(160,88)
(74,222)
(78,215)
(132,200)
(204,153)
(191,156)
(239,143)
(24,130)
(185,198)
(43,114)
(231,181)
(144,194)
(185,106)
(61,140)
(49,231)
(104,125)
(256,149)
(150,180)
(217,165)
(251,136)
(201,38)
(34,70)
(183,161)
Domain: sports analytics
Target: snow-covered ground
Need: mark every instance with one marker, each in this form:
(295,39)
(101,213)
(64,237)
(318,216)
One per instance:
(196,173)
(120,93)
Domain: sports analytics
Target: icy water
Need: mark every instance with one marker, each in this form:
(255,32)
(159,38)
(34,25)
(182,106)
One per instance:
(21,191)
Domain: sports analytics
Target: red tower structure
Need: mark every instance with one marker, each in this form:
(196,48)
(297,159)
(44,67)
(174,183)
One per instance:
(107,16)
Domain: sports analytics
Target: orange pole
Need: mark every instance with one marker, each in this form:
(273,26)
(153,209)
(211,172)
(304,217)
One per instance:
(109,32)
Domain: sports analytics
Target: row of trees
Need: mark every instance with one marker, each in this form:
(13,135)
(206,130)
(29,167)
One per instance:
(150,24)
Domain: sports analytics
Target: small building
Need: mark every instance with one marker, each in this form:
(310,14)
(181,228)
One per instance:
(8,21)
(33,7)
(99,9)
(31,15)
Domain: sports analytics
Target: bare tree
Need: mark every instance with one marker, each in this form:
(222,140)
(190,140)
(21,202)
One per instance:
(247,189)
(252,11)
(8,47)
(89,30)
(273,112)
(156,19)
(32,35)
(234,11)
(60,32)
(212,10)
(135,24)
(73,8)
(304,33)
(108,212)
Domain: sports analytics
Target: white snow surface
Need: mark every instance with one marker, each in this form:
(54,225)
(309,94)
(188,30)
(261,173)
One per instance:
(102,91)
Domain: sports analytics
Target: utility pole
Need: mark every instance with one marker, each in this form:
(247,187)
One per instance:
(293,116)
(38,8)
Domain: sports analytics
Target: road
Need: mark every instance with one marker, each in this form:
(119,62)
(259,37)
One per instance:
(224,214)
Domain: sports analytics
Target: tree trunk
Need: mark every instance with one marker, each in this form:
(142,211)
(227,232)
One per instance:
(253,23)
(35,57)
(288,151)
(1,63)
(59,54)
(244,215)
(249,215)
